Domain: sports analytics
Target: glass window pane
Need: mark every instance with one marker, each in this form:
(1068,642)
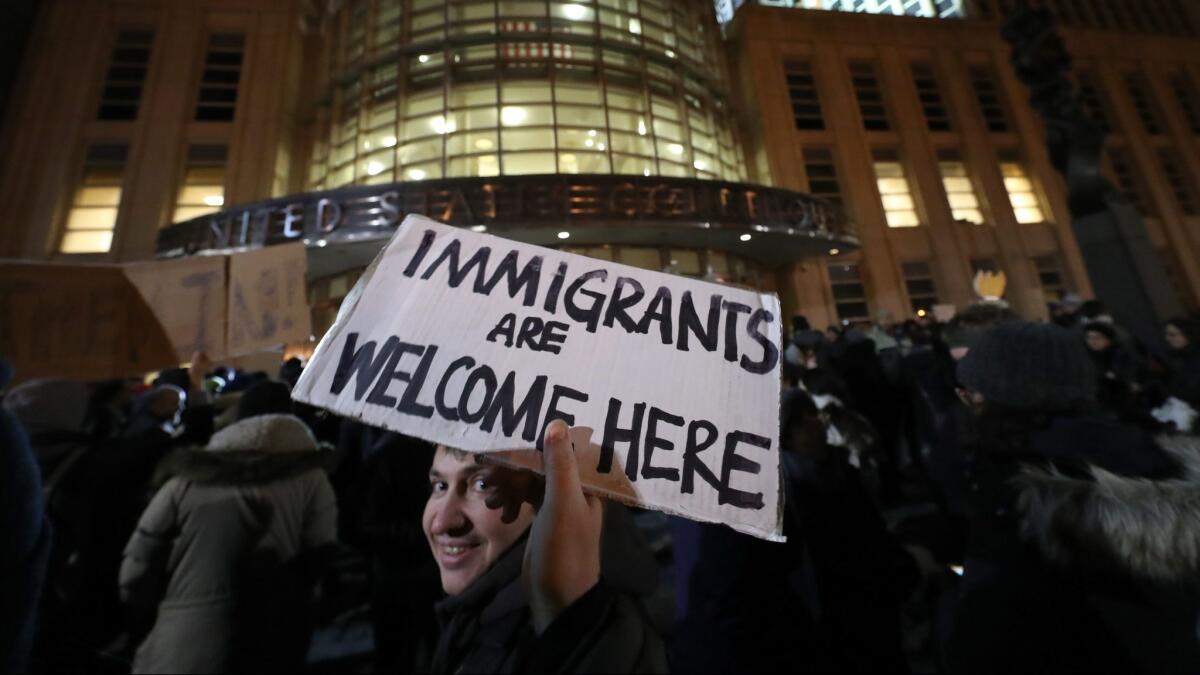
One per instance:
(426,171)
(630,165)
(528,163)
(481,165)
(569,93)
(92,218)
(641,145)
(526,115)
(583,162)
(528,139)
(525,92)
(420,150)
(645,258)
(98,196)
(462,96)
(582,139)
(87,242)
(580,116)
(208,195)
(465,144)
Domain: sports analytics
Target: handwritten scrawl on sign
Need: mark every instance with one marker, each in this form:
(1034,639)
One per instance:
(477,342)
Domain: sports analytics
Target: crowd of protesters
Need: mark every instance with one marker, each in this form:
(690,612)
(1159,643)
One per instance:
(987,494)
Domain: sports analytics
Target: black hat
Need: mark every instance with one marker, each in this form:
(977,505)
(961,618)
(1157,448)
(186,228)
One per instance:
(1029,366)
(265,398)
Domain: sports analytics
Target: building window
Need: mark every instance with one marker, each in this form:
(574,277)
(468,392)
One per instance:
(1143,102)
(991,102)
(871,106)
(203,189)
(93,213)
(849,292)
(937,118)
(1050,276)
(822,175)
(894,190)
(918,281)
(217,99)
(1025,204)
(1128,180)
(802,90)
(126,74)
(1180,181)
(960,192)
(1094,104)
(1188,99)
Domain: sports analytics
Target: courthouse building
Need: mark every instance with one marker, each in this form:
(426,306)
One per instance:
(857,157)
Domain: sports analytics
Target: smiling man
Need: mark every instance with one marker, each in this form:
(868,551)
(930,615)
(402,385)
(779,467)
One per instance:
(520,559)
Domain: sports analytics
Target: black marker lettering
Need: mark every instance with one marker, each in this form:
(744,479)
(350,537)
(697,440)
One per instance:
(617,305)
(734,462)
(660,311)
(419,255)
(556,285)
(732,309)
(551,340)
(689,322)
(502,408)
(449,412)
(654,441)
(379,395)
(614,434)
(482,374)
(770,351)
(591,315)
(554,413)
(408,402)
(362,362)
(692,463)
(506,327)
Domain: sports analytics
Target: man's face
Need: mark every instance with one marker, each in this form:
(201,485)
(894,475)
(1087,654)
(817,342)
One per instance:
(1176,338)
(1097,341)
(466,537)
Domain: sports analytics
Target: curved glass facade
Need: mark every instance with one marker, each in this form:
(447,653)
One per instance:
(424,89)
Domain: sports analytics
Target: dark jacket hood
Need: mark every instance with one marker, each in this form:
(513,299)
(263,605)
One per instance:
(1147,528)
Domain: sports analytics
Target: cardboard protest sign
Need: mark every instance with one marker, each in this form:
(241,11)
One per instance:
(84,322)
(188,297)
(267,299)
(477,342)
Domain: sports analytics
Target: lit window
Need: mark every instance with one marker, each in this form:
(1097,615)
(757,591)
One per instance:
(1025,204)
(964,204)
(894,190)
(203,189)
(93,213)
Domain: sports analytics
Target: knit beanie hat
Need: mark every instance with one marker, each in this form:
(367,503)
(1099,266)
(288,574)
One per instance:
(1029,366)
(265,433)
(264,398)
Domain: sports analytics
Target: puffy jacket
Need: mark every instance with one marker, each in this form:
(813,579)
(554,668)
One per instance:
(221,551)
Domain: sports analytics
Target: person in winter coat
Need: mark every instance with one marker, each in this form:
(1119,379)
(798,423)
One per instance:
(26,539)
(1183,360)
(1116,369)
(1083,535)
(404,579)
(824,601)
(225,551)
(549,589)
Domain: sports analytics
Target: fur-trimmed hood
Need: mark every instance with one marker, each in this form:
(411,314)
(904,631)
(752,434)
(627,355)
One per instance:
(204,467)
(254,451)
(1147,528)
